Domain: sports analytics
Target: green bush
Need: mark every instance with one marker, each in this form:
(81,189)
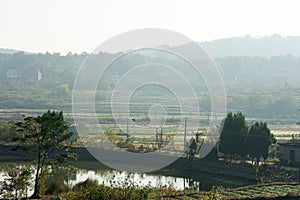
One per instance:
(15,183)
(87,184)
(57,198)
(55,185)
(89,189)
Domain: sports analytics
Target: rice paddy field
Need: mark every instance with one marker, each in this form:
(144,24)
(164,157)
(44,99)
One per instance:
(272,191)
(139,123)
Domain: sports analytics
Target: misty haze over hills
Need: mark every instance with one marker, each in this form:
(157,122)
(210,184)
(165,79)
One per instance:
(249,46)
(261,76)
(241,46)
(9,51)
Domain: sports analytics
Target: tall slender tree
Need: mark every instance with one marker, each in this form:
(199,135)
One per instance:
(259,140)
(45,142)
(232,139)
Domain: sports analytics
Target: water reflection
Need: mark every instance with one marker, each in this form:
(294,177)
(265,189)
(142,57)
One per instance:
(118,179)
(115,178)
(192,179)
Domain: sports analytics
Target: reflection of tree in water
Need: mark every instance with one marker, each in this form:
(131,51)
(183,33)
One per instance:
(192,184)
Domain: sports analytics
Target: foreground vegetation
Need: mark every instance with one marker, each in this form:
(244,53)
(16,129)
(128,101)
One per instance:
(279,191)
(57,189)
(89,189)
(44,140)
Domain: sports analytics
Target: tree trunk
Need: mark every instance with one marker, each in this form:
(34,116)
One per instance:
(257,161)
(36,192)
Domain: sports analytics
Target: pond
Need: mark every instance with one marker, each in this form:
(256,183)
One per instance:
(107,177)
(118,179)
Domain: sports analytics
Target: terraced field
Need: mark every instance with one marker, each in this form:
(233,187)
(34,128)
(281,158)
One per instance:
(273,191)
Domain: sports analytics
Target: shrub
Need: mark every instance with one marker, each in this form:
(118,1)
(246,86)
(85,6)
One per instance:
(89,189)
(57,198)
(55,185)
(16,183)
(87,184)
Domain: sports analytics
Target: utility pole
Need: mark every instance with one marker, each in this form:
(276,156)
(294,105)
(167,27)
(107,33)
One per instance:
(161,133)
(156,137)
(127,128)
(299,169)
(184,137)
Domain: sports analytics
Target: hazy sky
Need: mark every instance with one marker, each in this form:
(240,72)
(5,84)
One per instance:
(63,26)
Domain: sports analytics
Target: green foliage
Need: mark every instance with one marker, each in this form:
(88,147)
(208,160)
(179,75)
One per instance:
(232,139)
(274,160)
(111,136)
(57,198)
(7,132)
(15,186)
(89,189)
(191,151)
(269,174)
(258,141)
(282,107)
(55,185)
(88,183)
(238,140)
(211,195)
(44,141)
(261,191)
(62,90)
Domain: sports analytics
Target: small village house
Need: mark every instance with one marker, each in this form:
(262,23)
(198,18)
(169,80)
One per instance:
(290,152)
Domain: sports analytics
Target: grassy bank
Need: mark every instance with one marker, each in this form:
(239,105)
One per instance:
(90,190)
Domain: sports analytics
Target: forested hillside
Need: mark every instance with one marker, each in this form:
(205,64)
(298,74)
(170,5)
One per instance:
(268,87)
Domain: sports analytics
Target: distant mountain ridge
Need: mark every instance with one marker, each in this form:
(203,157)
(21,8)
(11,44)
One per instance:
(238,46)
(248,46)
(9,51)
